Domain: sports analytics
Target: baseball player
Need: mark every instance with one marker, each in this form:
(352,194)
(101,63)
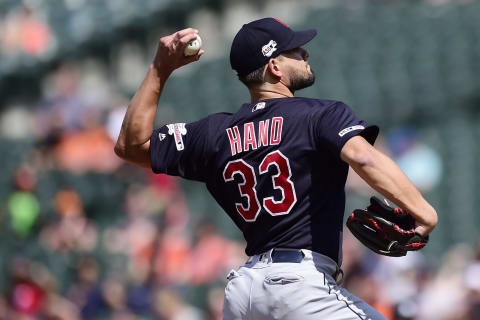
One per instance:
(277,167)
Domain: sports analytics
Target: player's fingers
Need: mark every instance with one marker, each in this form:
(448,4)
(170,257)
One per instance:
(182,33)
(195,57)
(199,54)
(186,39)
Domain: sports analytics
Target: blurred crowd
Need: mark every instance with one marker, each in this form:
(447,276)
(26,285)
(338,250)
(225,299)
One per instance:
(33,29)
(23,32)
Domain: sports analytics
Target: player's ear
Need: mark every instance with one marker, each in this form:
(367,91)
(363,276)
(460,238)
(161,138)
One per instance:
(274,68)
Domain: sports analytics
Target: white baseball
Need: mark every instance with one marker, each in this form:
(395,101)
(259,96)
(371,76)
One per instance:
(193,46)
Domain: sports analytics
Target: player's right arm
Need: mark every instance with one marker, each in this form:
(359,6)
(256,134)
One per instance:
(383,175)
(133,143)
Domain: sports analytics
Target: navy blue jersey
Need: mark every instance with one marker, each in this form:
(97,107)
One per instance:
(274,167)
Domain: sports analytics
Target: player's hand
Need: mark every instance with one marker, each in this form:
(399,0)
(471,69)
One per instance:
(170,51)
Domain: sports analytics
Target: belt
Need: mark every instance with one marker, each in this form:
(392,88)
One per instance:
(285,255)
(294,256)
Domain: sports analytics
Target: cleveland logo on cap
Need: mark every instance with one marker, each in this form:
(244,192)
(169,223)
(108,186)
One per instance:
(269,48)
(269,35)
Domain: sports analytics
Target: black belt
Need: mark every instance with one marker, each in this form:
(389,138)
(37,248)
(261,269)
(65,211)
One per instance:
(290,256)
(296,256)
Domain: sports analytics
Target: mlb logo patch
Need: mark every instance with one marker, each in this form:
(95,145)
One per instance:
(258,106)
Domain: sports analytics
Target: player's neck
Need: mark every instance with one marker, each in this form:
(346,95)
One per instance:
(269,93)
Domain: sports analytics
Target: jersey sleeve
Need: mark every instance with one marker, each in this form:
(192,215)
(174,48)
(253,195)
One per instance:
(180,150)
(337,124)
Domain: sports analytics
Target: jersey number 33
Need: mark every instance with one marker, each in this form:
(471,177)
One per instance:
(281,181)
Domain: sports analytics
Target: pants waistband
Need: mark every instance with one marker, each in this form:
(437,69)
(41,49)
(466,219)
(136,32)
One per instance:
(279,255)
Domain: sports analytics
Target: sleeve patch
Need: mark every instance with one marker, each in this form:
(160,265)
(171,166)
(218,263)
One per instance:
(177,130)
(350,129)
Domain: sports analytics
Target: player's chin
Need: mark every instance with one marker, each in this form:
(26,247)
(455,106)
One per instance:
(302,83)
(311,75)
(309,79)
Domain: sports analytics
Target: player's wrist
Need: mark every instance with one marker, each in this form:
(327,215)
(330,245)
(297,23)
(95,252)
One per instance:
(425,217)
(159,74)
(429,221)
(423,230)
(161,70)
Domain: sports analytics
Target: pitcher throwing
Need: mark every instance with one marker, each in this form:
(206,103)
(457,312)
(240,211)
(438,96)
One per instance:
(277,167)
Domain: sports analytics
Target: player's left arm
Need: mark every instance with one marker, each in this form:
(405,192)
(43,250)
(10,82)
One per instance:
(383,175)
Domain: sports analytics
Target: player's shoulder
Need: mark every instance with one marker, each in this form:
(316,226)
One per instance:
(215,118)
(318,103)
(214,121)
(318,107)
(205,126)
(220,115)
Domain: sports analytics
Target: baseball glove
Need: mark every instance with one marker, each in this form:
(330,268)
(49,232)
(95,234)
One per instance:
(385,230)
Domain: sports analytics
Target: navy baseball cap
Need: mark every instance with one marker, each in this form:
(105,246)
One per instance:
(261,40)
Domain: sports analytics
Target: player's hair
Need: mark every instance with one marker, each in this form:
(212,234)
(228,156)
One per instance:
(254,77)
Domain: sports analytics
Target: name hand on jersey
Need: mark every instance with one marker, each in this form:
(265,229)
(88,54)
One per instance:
(269,132)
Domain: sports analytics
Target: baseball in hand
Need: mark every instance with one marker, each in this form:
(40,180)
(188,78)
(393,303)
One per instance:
(193,46)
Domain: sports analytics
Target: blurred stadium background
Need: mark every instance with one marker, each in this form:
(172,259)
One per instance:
(86,236)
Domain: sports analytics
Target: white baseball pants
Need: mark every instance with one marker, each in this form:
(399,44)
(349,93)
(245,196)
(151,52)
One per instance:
(262,290)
